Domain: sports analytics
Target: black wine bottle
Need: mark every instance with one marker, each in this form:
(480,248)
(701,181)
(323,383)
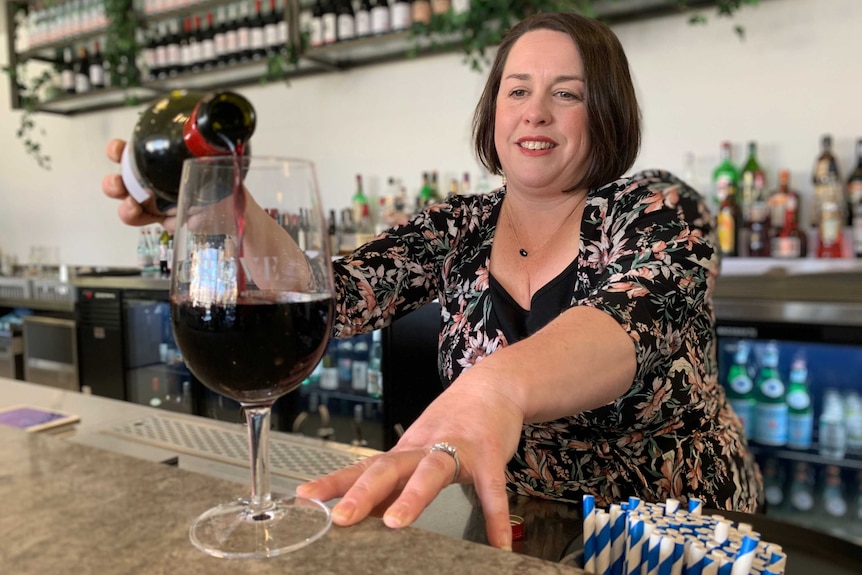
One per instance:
(178,126)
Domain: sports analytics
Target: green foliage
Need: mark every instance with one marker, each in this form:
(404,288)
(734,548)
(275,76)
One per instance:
(121,45)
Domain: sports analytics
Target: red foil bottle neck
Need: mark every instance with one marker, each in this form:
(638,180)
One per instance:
(194,140)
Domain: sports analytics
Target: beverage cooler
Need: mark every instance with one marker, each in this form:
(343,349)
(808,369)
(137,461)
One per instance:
(793,371)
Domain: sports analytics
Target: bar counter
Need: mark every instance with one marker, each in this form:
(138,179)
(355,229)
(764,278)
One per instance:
(97,503)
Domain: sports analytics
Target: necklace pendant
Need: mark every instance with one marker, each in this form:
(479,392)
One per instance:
(523,252)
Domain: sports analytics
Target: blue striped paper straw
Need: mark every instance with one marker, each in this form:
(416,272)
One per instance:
(671,506)
(653,553)
(721,531)
(710,566)
(618,539)
(589,533)
(678,552)
(745,556)
(603,543)
(634,502)
(695,507)
(695,553)
(665,555)
(725,566)
(634,545)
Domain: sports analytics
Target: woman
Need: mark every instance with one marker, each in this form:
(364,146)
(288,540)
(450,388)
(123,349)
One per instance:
(577,336)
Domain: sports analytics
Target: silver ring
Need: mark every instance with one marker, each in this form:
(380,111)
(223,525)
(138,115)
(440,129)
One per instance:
(449,450)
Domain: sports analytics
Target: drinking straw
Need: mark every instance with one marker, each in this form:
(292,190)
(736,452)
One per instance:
(695,553)
(665,555)
(710,566)
(618,539)
(653,553)
(744,557)
(671,506)
(695,507)
(590,533)
(678,552)
(634,545)
(603,543)
(721,532)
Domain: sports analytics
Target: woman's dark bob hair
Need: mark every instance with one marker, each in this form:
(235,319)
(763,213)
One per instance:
(613,115)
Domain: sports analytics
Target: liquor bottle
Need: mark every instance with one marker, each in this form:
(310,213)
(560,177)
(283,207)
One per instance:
(740,387)
(753,183)
(826,179)
(725,176)
(773,483)
(185,47)
(359,368)
(375,373)
(270,29)
(402,15)
(220,36)
(196,52)
(181,125)
(770,410)
(67,73)
(363,18)
(164,238)
(421,11)
(345,21)
(380,20)
(800,412)
(174,63)
(243,33)
(801,490)
(231,36)
(315,26)
(831,428)
(82,71)
(426,193)
(729,222)
(97,67)
(332,232)
(854,202)
(790,241)
(833,498)
(830,236)
(757,237)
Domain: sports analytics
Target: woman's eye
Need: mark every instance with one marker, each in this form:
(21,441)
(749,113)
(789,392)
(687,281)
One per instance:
(568,95)
(517,93)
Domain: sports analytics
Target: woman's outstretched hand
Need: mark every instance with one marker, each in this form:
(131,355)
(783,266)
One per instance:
(475,418)
(130,211)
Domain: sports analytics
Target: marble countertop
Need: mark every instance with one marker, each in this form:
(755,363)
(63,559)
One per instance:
(95,503)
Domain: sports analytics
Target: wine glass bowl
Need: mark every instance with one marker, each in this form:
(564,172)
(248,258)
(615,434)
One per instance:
(251,306)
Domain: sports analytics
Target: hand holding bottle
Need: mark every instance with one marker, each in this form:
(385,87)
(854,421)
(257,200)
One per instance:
(130,211)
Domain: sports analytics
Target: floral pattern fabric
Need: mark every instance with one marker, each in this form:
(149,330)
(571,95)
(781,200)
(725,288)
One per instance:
(647,259)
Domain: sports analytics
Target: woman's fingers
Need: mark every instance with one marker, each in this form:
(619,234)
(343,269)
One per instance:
(114,150)
(491,489)
(433,473)
(112,186)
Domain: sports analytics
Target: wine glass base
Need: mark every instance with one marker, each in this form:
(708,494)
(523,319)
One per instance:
(232,530)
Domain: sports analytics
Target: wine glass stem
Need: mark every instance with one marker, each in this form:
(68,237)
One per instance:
(257,418)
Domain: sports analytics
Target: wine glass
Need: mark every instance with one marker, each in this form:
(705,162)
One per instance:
(251,306)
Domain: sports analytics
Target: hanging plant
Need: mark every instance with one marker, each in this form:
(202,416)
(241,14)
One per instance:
(484,25)
(121,46)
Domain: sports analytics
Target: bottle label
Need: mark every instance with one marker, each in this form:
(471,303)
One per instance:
(231,42)
(363,23)
(316,31)
(401,16)
(798,400)
(786,247)
(857,229)
(208,50)
(220,40)
(131,179)
(742,384)
(802,500)
(243,38)
(270,35)
(800,429)
(257,38)
(773,388)
(770,423)
(379,19)
(726,232)
(97,75)
(329,28)
(346,27)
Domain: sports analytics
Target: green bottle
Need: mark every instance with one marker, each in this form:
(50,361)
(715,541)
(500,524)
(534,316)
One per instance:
(754,186)
(426,193)
(740,387)
(800,412)
(725,176)
(770,410)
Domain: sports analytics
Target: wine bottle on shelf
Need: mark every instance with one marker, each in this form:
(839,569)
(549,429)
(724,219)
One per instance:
(345,21)
(329,20)
(800,411)
(830,235)
(67,72)
(729,222)
(173,50)
(725,176)
(243,33)
(257,32)
(315,24)
(271,22)
(363,18)
(380,20)
(178,126)
(854,202)
(151,66)
(82,71)
(283,27)
(401,12)
(752,187)
(196,54)
(757,236)
(208,58)
(220,36)
(231,36)
(97,67)
(421,11)
(740,387)
(770,410)
(826,179)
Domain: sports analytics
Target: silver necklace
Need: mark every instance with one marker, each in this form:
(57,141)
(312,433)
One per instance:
(521,250)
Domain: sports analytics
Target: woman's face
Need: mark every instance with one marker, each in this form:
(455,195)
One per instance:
(540,129)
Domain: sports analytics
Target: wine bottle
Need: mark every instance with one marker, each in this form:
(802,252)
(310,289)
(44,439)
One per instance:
(243,33)
(753,187)
(196,55)
(315,25)
(826,179)
(178,126)
(257,32)
(854,202)
(82,71)
(363,18)
(208,58)
(186,39)
(725,175)
(220,37)
(345,21)
(270,30)
(149,52)
(380,23)
(329,21)
(402,15)
(67,73)
(97,68)
(770,410)
(231,37)
(175,63)
(161,68)
(421,11)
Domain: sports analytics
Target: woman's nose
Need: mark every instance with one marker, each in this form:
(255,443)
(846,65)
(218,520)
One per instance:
(538,111)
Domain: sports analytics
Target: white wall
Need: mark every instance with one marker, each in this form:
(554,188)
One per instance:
(793,79)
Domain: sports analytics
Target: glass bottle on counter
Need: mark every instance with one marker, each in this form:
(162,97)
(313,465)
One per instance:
(770,411)
(753,183)
(729,222)
(788,241)
(740,387)
(832,431)
(827,182)
(725,175)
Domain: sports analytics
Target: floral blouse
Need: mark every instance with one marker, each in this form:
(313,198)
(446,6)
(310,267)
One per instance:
(647,259)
